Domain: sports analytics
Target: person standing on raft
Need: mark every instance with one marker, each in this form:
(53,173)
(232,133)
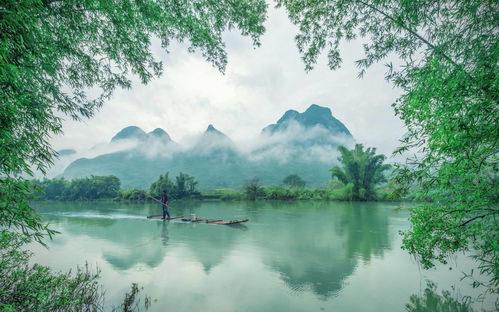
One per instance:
(164,204)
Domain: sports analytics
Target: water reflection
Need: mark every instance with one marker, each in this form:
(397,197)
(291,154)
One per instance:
(123,237)
(431,300)
(238,226)
(365,229)
(130,248)
(164,233)
(311,246)
(317,247)
(300,256)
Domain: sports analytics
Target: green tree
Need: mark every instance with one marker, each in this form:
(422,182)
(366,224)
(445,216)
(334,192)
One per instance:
(52,189)
(106,186)
(447,72)
(185,186)
(294,180)
(163,184)
(95,187)
(132,194)
(362,168)
(253,189)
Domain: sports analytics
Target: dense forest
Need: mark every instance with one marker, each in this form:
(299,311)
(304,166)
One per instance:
(94,187)
(108,187)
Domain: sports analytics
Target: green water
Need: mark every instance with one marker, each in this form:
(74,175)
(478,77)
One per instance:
(306,256)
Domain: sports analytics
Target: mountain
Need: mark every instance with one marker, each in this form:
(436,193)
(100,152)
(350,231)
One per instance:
(212,131)
(213,141)
(66,152)
(160,134)
(314,116)
(213,136)
(131,132)
(314,135)
(302,143)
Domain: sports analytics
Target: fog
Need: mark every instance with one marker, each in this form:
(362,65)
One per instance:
(294,144)
(258,86)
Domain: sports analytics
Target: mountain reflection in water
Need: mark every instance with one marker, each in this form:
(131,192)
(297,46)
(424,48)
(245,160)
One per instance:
(319,251)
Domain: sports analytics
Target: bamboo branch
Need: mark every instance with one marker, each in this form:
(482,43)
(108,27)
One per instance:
(473,219)
(415,34)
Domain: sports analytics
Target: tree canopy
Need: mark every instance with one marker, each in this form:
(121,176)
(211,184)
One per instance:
(294,180)
(362,168)
(253,189)
(183,186)
(447,70)
(63,59)
(93,187)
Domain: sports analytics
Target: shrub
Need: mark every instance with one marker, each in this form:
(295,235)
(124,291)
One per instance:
(26,287)
(133,194)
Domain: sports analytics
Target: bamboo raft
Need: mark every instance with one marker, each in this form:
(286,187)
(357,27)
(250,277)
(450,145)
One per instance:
(212,221)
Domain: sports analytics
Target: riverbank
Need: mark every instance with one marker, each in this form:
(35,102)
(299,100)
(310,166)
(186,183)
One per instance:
(271,193)
(108,187)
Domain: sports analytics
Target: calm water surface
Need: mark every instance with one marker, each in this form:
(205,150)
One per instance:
(306,256)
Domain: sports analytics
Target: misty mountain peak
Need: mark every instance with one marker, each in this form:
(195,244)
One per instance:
(160,134)
(318,115)
(213,130)
(130,132)
(214,135)
(315,115)
(288,115)
(319,110)
(303,144)
(212,143)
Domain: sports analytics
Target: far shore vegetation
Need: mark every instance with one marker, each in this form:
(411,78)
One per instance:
(360,177)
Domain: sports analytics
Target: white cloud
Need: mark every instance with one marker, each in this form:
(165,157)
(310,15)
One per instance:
(258,87)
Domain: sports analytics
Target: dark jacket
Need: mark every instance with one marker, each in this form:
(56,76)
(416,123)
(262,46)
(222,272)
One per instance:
(164,199)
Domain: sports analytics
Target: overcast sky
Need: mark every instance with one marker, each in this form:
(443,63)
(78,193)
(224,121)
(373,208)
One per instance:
(258,87)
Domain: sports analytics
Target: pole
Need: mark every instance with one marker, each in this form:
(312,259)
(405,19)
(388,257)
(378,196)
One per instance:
(154,199)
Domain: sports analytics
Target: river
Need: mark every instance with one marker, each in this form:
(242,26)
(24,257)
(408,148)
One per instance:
(290,256)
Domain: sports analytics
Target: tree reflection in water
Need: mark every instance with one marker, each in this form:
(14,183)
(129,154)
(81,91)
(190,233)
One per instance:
(431,301)
(317,245)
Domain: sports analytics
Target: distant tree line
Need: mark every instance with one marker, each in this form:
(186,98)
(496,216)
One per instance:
(294,180)
(357,178)
(93,187)
(183,186)
(334,191)
(108,187)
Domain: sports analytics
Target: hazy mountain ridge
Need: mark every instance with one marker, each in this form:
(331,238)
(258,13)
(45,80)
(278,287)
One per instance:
(315,115)
(302,143)
(66,152)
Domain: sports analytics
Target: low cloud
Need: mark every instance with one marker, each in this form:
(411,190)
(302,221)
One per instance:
(295,144)
(257,87)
